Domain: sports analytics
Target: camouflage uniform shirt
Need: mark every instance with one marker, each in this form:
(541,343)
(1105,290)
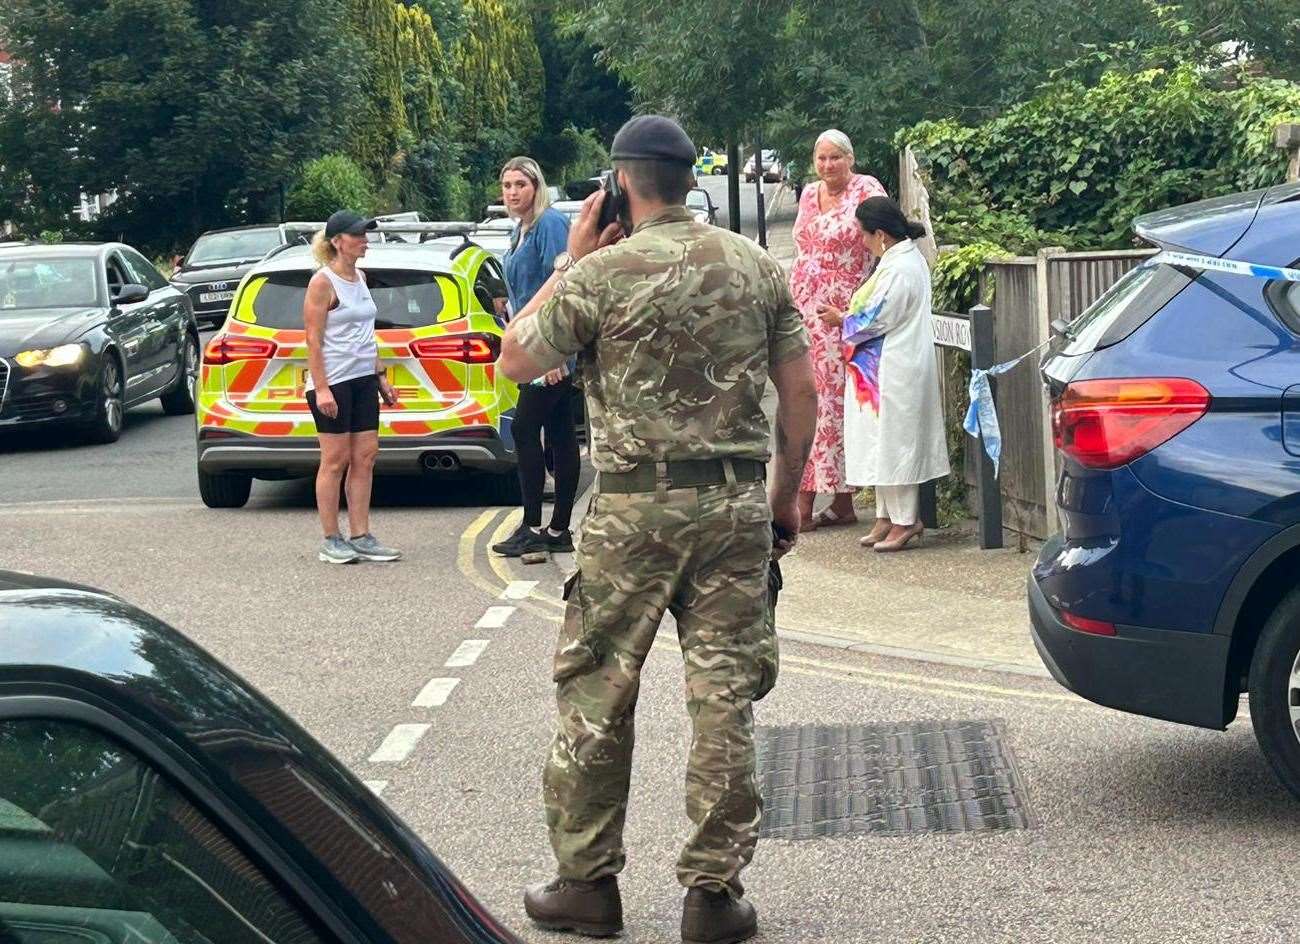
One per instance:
(676,328)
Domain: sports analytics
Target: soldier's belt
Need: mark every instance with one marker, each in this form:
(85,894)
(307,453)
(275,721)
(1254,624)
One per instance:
(681,473)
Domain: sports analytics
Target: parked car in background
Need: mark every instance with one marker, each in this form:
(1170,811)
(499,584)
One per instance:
(217,261)
(711,163)
(439,338)
(87,331)
(570,208)
(148,793)
(1172,588)
(701,204)
(773,168)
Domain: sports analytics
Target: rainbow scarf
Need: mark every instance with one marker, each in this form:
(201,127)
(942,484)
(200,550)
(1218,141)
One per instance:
(863,357)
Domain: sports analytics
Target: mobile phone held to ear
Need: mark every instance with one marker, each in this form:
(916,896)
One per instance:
(615,206)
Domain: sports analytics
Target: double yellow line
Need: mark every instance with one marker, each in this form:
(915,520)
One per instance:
(550,607)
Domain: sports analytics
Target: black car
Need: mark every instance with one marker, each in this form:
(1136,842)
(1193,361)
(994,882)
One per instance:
(147,793)
(211,270)
(88,331)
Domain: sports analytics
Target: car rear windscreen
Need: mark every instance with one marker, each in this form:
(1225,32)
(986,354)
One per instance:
(47,283)
(404,299)
(1125,307)
(233,247)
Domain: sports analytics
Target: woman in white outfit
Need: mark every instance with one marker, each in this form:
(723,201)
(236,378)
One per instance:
(893,415)
(345,382)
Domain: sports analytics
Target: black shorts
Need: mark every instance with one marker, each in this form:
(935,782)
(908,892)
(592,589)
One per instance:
(358,401)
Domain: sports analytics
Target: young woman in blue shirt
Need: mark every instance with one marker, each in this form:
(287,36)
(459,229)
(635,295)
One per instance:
(541,233)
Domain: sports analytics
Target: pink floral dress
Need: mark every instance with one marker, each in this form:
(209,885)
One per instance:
(832,262)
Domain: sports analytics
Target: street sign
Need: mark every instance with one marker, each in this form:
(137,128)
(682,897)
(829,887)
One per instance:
(951,332)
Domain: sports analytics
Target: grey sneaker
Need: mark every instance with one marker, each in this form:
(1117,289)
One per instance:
(367,547)
(335,550)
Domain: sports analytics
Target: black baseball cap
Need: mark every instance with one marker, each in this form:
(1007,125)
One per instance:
(346,221)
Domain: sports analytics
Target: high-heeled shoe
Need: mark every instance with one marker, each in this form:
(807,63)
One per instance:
(877,534)
(900,543)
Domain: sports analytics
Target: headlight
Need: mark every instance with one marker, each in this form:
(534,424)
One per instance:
(62,356)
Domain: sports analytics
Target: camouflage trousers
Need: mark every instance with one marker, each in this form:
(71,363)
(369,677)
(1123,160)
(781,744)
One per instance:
(701,554)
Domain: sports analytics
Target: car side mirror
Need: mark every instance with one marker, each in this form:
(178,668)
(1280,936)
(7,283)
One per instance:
(130,294)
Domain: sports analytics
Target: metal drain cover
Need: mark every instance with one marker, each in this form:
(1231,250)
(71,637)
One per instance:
(888,779)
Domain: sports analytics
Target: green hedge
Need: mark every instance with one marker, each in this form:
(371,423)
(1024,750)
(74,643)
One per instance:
(1074,165)
(329,183)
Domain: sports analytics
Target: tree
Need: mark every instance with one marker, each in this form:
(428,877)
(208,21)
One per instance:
(196,126)
(380,117)
(717,73)
(500,94)
(580,93)
(329,183)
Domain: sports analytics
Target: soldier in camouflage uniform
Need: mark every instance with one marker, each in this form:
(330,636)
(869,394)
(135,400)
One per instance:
(678,329)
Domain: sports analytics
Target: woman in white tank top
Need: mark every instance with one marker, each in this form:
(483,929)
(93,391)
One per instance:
(344,385)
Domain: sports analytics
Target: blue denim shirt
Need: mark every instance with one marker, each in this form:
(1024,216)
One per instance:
(530,262)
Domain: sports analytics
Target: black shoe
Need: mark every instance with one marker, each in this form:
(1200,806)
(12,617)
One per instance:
(717,918)
(524,541)
(591,908)
(561,543)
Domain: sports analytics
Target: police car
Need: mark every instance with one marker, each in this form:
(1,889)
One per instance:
(438,337)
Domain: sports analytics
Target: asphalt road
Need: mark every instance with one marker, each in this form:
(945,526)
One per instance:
(717,188)
(1141,831)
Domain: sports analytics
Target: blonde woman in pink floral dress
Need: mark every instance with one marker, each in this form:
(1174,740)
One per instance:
(831,264)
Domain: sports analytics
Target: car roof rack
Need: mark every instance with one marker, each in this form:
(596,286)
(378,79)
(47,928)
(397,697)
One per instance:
(445,228)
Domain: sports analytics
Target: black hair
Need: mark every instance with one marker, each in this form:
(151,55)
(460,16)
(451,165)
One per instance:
(882,213)
(665,181)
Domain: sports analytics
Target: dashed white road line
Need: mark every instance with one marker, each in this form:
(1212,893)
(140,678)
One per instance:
(466,653)
(495,617)
(376,786)
(435,693)
(399,743)
(518,589)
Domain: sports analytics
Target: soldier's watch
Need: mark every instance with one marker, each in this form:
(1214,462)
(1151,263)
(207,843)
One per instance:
(563,262)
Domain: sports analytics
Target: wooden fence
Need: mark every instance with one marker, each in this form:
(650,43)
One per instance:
(1028,294)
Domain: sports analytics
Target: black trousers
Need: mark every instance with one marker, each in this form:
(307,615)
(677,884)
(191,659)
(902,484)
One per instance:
(548,408)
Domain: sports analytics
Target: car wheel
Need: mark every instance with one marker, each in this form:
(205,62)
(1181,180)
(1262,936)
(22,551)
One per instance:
(179,400)
(1275,691)
(110,413)
(503,489)
(719,172)
(224,490)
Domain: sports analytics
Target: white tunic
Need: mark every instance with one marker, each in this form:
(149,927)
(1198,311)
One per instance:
(893,414)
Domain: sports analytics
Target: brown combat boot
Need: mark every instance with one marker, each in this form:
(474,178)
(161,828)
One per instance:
(591,908)
(710,917)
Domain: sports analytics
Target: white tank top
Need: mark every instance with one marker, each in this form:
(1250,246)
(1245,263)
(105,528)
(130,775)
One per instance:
(349,342)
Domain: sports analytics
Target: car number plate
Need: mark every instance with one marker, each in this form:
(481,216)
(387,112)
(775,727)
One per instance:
(216,296)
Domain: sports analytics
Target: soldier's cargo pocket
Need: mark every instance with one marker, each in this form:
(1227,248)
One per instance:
(574,654)
(767,650)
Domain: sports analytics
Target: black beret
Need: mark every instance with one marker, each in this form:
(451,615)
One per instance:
(652,138)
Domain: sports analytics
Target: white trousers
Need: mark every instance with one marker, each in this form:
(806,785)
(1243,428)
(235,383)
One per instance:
(899,503)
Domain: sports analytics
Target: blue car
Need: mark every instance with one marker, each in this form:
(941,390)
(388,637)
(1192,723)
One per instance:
(1174,586)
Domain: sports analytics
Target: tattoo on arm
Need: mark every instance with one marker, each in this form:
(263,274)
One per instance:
(790,459)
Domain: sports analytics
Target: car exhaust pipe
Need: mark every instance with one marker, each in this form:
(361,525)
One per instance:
(441,461)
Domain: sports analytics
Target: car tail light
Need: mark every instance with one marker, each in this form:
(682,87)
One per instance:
(1084,625)
(227,348)
(467,348)
(1104,424)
